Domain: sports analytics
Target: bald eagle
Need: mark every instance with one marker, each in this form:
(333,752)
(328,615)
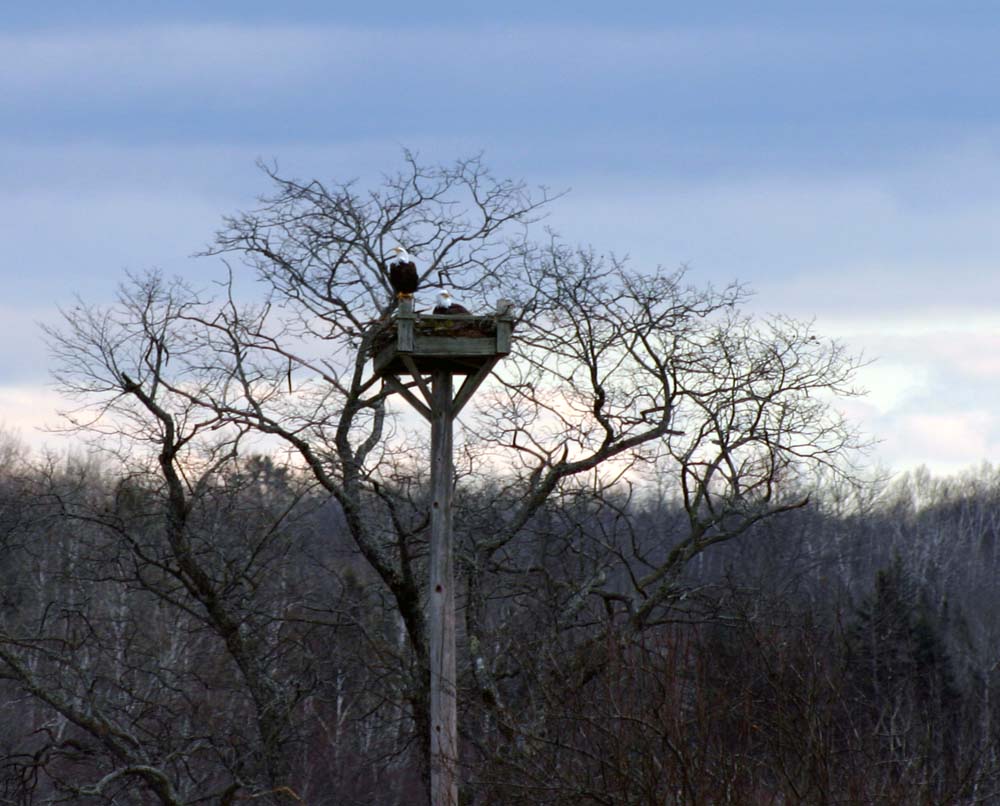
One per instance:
(402,273)
(446,305)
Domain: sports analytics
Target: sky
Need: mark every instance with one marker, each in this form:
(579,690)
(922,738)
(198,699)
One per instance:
(842,159)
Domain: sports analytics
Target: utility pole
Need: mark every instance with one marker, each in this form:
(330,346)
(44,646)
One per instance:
(441,347)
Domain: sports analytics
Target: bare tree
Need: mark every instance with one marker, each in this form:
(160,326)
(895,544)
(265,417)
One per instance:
(615,372)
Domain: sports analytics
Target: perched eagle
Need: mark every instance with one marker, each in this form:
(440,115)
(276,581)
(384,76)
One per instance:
(446,305)
(402,273)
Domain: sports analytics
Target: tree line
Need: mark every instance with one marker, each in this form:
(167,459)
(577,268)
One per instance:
(816,660)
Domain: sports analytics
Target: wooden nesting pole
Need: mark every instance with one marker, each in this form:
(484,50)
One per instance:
(441,601)
(441,347)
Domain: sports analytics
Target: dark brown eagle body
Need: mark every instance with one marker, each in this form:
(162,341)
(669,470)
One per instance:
(403,275)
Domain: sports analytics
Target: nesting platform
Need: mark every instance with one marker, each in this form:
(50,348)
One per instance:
(457,344)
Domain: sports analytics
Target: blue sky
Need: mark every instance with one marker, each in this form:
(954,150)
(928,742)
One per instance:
(843,160)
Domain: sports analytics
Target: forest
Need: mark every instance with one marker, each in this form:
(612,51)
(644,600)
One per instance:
(678,580)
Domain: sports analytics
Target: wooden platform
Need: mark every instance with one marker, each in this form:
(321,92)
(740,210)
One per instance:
(460,345)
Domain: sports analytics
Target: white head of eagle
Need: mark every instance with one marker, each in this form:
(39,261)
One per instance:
(403,275)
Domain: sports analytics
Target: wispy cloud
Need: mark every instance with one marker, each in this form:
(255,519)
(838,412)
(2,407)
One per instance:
(154,59)
(845,166)
(29,412)
(685,81)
